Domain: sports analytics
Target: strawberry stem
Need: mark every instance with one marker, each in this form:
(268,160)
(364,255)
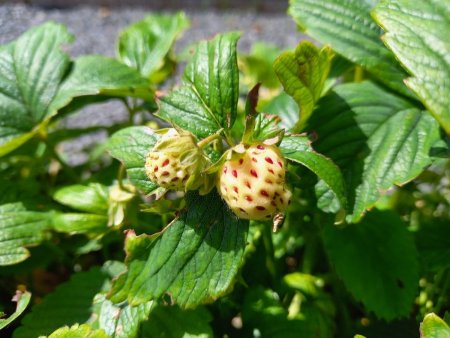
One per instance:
(203,143)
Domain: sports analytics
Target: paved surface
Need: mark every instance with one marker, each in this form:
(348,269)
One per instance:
(256,5)
(96,28)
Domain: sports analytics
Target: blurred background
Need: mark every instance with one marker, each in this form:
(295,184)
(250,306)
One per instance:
(95,23)
(259,5)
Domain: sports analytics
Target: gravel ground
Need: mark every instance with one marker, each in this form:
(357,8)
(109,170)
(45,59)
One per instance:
(255,5)
(96,29)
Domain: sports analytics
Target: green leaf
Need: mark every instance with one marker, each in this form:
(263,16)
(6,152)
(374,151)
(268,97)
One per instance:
(78,223)
(299,150)
(303,74)
(71,303)
(20,228)
(146,44)
(434,327)
(285,107)
(78,331)
(418,34)
(433,243)
(307,284)
(119,321)
(130,146)
(377,139)
(95,75)
(22,299)
(32,88)
(195,259)
(104,207)
(171,321)
(92,198)
(266,127)
(31,69)
(341,69)
(14,139)
(263,312)
(385,278)
(206,101)
(257,65)
(347,26)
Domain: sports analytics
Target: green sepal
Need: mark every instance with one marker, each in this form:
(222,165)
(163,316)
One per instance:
(251,113)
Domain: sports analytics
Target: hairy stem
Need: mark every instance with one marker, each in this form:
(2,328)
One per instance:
(270,254)
(203,143)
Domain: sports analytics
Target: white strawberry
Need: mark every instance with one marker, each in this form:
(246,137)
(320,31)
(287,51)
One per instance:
(176,162)
(252,182)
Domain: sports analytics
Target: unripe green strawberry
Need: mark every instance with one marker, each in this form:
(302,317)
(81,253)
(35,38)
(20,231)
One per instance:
(252,182)
(176,162)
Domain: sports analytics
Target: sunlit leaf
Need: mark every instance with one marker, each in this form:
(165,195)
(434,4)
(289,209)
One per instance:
(299,150)
(22,299)
(195,259)
(303,74)
(206,101)
(434,327)
(131,146)
(145,44)
(377,139)
(94,75)
(20,228)
(417,33)
(78,331)
(119,321)
(346,25)
(31,69)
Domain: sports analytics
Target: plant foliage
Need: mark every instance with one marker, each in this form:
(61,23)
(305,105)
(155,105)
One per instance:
(360,125)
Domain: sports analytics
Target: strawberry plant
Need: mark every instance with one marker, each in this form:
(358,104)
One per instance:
(297,193)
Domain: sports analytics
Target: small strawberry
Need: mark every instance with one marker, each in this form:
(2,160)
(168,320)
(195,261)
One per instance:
(176,162)
(252,182)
